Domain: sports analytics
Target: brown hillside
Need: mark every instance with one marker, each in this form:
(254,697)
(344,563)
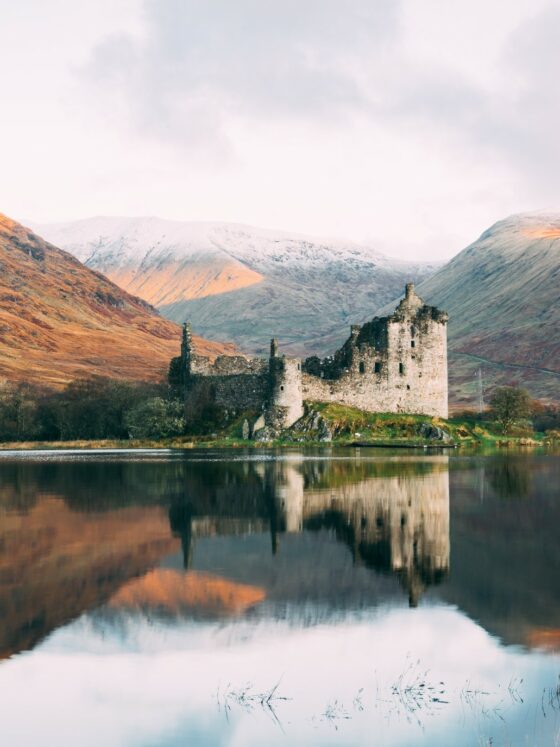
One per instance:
(174,281)
(56,563)
(60,320)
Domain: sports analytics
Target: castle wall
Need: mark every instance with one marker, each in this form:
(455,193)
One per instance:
(231,392)
(391,364)
(398,364)
(230,382)
(228,365)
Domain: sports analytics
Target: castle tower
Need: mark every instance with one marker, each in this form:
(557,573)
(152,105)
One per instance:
(186,341)
(186,349)
(354,332)
(411,300)
(285,401)
(417,356)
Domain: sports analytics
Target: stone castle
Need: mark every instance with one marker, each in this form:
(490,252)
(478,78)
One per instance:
(396,363)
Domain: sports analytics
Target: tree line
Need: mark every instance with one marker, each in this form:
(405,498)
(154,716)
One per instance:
(93,408)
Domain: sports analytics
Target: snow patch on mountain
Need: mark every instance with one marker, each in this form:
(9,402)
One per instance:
(103,242)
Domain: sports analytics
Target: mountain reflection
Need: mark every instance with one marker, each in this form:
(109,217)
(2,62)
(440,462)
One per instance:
(214,534)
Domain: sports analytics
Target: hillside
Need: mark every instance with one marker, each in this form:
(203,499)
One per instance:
(60,320)
(240,283)
(503,297)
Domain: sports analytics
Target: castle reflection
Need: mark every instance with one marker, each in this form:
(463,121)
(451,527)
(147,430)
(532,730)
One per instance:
(301,536)
(393,521)
(76,536)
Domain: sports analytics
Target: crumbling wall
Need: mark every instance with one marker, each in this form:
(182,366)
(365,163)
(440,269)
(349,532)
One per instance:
(391,364)
(228,365)
(230,382)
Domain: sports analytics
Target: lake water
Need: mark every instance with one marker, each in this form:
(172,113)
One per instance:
(335,597)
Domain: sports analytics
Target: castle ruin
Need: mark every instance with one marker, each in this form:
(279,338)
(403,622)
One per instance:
(396,363)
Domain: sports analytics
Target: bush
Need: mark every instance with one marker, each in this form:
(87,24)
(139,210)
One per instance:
(545,417)
(156,418)
(89,408)
(96,407)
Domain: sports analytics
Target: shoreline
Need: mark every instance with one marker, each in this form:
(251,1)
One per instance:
(236,444)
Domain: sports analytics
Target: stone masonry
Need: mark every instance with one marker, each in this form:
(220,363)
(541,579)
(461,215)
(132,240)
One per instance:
(395,364)
(391,364)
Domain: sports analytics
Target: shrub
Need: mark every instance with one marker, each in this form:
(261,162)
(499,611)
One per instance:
(156,418)
(509,405)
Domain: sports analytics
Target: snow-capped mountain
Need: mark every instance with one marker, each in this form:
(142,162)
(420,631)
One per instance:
(237,282)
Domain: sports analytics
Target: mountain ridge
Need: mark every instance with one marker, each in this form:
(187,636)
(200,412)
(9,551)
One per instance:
(502,293)
(258,283)
(60,320)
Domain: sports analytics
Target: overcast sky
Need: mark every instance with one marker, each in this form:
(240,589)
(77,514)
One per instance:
(410,124)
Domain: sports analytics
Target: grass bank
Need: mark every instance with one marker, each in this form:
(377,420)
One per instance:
(338,425)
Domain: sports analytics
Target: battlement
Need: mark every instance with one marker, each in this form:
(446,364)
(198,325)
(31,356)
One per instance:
(227,365)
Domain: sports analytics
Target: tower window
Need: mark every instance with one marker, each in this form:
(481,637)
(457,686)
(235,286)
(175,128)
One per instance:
(412,344)
(408,386)
(412,331)
(362,367)
(281,387)
(401,368)
(377,367)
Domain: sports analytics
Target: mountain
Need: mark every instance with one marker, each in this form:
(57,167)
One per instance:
(245,284)
(60,320)
(503,297)
(240,283)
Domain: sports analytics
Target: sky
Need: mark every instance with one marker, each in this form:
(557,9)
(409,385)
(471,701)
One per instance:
(411,125)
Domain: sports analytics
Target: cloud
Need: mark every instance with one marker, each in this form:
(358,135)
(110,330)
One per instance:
(525,120)
(414,123)
(200,67)
(199,64)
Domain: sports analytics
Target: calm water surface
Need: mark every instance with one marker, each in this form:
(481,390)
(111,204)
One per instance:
(357,597)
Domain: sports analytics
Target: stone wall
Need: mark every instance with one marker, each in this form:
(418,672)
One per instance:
(394,364)
(233,392)
(228,365)
(231,382)
(390,364)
